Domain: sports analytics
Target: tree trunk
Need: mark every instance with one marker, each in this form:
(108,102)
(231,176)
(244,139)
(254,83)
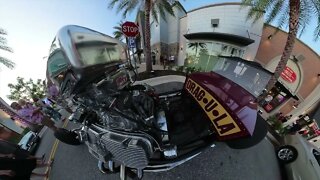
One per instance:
(293,29)
(147,36)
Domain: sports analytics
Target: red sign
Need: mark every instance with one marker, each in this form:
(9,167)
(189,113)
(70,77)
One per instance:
(289,75)
(130,29)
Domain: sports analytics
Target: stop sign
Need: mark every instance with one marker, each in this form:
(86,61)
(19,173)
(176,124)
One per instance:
(130,29)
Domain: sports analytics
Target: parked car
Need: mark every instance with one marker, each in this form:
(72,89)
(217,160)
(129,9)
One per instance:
(301,158)
(29,142)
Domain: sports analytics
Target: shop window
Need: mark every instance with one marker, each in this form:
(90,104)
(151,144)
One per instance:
(203,55)
(277,96)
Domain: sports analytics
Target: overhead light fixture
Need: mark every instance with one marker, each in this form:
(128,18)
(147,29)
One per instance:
(319,75)
(270,36)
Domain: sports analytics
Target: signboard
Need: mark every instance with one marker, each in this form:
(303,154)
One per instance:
(220,118)
(131,42)
(130,29)
(289,75)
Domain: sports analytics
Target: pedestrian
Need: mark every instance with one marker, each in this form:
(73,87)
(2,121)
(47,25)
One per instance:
(154,58)
(161,59)
(47,109)
(7,147)
(20,168)
(53,95)
(281,118)
(33,115)
(295,127)
(165,61)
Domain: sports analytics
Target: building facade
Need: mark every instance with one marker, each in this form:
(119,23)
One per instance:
(165,33)
(198,36)
(195,38)
(297,90)
(218,29)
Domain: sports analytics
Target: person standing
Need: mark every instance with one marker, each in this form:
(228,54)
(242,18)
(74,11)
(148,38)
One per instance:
(33,115)
(154,58)
(161,59)
(15,168)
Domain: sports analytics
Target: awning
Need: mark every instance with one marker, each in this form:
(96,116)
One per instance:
(231,38)
(285,90)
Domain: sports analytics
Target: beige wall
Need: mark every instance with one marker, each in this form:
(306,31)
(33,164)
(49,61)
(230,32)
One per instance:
(271,48)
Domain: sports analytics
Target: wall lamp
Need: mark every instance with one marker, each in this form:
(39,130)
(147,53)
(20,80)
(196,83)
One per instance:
(270,36)
(319,75)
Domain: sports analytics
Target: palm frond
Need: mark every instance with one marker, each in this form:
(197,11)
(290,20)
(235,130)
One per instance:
(154,14)
(304,17)
(3,32)
(118,35)
(166,6)
(5,48)
(257,8)
(118,28)
(9,64)
(283,18)
(317,31)
(3,40)
(122,6)
(275,11)
(133,4)
(162,12)
(113,3)
(316,13)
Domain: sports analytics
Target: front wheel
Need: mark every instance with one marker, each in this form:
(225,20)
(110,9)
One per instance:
(287,154)
(66,136)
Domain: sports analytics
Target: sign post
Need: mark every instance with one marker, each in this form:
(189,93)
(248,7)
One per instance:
(130,30)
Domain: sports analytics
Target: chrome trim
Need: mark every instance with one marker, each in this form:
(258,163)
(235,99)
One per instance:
(169,166)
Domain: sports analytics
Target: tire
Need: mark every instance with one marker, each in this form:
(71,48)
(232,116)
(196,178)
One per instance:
(67,136)
(259,133)
(287,154)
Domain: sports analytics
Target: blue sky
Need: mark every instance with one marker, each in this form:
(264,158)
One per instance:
(32,25)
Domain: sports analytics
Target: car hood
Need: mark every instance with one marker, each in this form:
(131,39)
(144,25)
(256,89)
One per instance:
(233,110)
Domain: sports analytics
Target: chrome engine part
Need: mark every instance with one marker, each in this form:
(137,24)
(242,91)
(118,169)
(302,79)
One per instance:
(132,150)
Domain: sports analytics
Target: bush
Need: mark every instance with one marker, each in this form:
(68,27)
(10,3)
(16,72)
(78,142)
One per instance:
(277,125)
(180,68)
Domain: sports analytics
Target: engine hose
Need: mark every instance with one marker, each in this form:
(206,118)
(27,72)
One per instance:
(138,122)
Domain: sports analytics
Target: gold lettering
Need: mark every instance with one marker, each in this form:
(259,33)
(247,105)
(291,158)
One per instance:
(210,106)
(200,95)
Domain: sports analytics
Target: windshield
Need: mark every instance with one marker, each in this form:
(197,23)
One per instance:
(248,75)
(98,52)
(56,63)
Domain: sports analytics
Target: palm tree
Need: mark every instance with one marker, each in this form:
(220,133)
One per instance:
(196,45)
(295,13)
(151,7)
(3,46)
(117,31)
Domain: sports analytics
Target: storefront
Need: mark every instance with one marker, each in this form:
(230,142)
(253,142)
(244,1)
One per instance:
(297,89)
(203,53)
(210,31)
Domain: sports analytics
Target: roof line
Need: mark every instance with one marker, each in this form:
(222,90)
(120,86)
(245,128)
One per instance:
(296,39)
(177,3)
(218,4)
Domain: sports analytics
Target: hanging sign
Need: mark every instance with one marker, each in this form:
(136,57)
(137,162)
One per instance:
(289,75)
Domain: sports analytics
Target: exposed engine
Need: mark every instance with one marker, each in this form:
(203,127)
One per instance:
(120,120)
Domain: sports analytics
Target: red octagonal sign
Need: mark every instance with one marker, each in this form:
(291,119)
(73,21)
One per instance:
(130,29)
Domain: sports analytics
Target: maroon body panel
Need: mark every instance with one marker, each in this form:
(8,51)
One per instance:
(233,110)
